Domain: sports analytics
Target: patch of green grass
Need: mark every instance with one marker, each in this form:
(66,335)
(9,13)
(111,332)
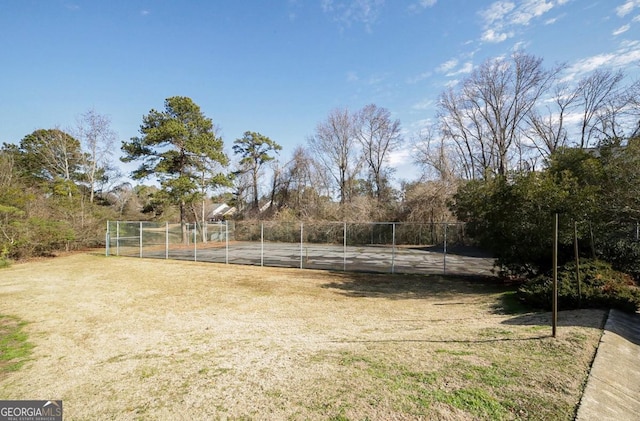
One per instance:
(397,375)
(479,394)
(494,332)
(147,372)
(14,346)
(493,375)
(453,352)
(474,401)
(4,262)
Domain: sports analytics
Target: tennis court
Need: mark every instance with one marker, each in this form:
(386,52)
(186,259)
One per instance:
(380,248)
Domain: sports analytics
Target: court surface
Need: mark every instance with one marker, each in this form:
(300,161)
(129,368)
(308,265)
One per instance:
(380,259)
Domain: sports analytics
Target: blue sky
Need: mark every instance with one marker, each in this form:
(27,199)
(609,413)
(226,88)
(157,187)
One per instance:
(279,67)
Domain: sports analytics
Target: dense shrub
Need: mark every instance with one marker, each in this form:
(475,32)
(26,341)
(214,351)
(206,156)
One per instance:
(624,256)
(601,287)
(4,258)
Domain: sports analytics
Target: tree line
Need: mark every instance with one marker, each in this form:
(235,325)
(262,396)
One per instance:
(509,119)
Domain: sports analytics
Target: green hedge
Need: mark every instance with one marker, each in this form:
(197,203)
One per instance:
(601,287)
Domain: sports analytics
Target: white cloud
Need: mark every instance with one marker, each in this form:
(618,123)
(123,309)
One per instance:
(448,65)
(497,11)
(347,12)
(464,69)
(400,157)
(352,77)
(520,46)
(530,9)
(492,36)
(423,105)
(451,83)
(627,54)
(626,8)
(422,4)
(636,19)
(144,12)
(502,17)
(621,30)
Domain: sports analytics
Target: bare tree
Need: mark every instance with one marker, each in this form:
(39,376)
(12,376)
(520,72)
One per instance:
(619,117)
(300,187)
(436,157)
(335,147)
(595,92)
(485,117)
(7,169)
(461,125)
(548,131)
(633,108)
(95,133)
(121,196)
(379,135)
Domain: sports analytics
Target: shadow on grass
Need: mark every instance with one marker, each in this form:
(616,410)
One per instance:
(448,341)
(397,287)
(583,318)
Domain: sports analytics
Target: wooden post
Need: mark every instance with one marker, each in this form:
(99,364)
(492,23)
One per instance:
(554,298)
(577,257)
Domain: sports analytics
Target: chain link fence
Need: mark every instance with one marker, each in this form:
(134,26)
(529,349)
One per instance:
(385,247)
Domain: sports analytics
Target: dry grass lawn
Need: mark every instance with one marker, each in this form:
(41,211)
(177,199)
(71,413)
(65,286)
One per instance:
(123,338)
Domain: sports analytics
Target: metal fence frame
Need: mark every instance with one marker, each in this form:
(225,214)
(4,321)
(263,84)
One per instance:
(136,238)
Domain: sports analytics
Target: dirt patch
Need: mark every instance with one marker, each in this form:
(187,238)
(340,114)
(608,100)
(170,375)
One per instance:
(121,338)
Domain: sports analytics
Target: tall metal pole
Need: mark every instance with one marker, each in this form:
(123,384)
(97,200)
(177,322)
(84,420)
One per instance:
(344,247)
(554,298)
(195,242)
(301,243)
(577,257)
(444,251)
(262,244)
(166,240)
(106,241)
(140,238)
(226,258)
(393,249)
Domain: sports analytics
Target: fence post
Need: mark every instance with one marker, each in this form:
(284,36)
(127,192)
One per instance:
(226,254)
(393,248)
(117,238)
(106,249)
(444,254)
(261,243)
(344,247)
(166,240)
(140,239)
(195,242)
(301,242)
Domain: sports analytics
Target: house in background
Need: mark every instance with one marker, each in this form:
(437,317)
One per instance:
(220,212)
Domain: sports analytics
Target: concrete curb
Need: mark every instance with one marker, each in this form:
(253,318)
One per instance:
(613,385)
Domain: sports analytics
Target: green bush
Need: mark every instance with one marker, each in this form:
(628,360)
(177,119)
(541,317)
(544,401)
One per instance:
(624,255)
(601,287)
(5,262)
